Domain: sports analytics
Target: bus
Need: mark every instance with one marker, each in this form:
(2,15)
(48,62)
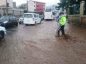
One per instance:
(48,14)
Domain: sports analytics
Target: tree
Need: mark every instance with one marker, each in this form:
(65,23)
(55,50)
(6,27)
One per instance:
(70,4)
(63,4)
(24,7)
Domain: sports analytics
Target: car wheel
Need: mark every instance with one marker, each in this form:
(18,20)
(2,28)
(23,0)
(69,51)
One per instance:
(40,22)
(35,23)
(16,24)
(2,35)
(19,22)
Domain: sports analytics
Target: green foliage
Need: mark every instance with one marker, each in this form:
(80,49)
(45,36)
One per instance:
(70,6)
(63,4)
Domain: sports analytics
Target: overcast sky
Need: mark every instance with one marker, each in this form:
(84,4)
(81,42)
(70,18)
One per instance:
(48,2)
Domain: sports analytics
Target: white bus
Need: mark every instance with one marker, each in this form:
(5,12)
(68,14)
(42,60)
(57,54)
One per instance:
(48,14)
(31,18)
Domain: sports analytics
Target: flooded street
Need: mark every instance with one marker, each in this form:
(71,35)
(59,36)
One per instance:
(38,45)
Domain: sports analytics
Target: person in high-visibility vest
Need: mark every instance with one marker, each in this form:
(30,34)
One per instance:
(62,22)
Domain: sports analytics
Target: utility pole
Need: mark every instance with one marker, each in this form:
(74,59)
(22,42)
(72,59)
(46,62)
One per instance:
(27,5)
(6,7)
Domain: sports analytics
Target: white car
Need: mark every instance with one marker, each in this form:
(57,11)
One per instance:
(2,32)
(31,18)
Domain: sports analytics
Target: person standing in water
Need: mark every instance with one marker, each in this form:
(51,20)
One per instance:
(62,20)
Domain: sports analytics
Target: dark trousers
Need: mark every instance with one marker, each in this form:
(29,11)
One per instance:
(61,29)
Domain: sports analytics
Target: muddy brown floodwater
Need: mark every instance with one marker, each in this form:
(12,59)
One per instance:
(38,45)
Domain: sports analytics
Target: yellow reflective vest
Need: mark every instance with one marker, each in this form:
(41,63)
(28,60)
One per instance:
(62,20)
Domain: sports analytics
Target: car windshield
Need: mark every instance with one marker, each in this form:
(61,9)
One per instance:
(41,16)
(2,19)
(36,16)
(28,15)
(48,10)
(21,17)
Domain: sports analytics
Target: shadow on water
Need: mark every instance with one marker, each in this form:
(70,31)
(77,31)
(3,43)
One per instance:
(70,39)
(66,38)
(30,24)
(11,31)
(49,20)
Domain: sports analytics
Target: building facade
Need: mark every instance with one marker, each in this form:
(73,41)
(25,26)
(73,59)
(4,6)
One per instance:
(34,6)
(31,6)
(4,2)
(14,4)
(40,7)
(10,3)
(8,8)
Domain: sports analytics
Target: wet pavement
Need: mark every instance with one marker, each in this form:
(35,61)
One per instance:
(38,45)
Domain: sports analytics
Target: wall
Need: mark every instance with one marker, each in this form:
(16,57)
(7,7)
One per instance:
(10,3)
(31,6)
(11,11)
(40,7)
(77,19)
(2,2)
(34,6)
(83,19)
(14,4)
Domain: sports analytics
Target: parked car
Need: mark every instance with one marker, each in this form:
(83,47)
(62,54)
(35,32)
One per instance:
(8,21)
(21,19)
(41,17)
(2,32)
(31,18)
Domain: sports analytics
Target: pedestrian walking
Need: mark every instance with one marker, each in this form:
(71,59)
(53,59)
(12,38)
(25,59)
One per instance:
(61,22)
